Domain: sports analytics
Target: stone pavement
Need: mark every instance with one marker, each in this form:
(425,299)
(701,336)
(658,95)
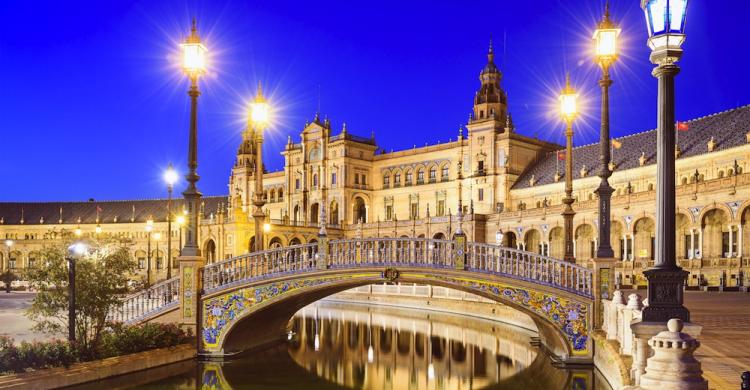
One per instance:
(725,341)
(14,322)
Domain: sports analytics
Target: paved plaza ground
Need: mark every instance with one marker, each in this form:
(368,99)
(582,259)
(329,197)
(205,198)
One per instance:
(724,351)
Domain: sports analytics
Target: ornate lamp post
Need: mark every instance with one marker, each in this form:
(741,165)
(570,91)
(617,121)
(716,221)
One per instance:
(75,252)
(149,227)
(259,113)
(665,20)
(180,223)
(605,38)
(157,238)
(194,65)
(170,176)
(568,109)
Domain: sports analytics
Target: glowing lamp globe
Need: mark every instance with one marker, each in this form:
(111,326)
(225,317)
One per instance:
(98,229)
(605,39)
(170,176)
(568,101)
(665,21)
(9,243)
(193,54)
(259,109)
(77,250)
(180,220)
(157,236)
(266,227)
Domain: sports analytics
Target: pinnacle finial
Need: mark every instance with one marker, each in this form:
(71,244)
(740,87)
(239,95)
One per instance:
(567,80)
(194,28)
(259,94)
(491,52)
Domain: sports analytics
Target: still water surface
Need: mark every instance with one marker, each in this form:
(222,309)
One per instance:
(337,346)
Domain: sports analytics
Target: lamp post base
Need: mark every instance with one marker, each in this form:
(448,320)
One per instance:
(665,295)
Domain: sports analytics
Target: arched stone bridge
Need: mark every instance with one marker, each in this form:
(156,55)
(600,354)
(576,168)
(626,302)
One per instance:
(247,301)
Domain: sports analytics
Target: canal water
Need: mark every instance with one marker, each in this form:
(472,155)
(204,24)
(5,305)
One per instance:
(338,346)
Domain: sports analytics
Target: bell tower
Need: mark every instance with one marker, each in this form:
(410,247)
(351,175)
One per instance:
(490,102)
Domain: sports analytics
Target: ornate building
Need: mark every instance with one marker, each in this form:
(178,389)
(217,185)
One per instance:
(509,187)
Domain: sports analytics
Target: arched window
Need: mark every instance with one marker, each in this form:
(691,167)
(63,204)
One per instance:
(444,174)
(397,179)
(386,180)
(420,176)
(409,177)
(315,180)
(433,174)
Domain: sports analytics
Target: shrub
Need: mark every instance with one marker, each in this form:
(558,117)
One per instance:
(116,341)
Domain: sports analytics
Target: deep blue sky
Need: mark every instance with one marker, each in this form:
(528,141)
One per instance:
(93,105)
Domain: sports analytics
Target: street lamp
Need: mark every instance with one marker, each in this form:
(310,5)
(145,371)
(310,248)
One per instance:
(170,176)
(259,116)
(75,252)
(157,237)
(149,227)
(605,38)
(9,245)
(98,229)
(180,223)
(665,20)
(569,110)
(194,65)
(78,232)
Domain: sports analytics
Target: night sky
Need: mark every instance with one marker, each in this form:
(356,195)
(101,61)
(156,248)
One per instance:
(94,105)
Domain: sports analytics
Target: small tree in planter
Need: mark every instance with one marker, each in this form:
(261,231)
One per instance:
(101,284)
(8,278)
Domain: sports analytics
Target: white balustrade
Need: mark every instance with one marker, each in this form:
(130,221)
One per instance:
(617,317)
(147,302)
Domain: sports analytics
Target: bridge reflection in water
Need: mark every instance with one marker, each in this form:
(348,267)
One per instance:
(333,345)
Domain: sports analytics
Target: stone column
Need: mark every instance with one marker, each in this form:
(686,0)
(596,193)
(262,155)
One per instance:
(673,366)
(700,243)
(739,240)
(731,241)
(191,287)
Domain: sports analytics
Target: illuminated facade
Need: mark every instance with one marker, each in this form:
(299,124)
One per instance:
(509,186)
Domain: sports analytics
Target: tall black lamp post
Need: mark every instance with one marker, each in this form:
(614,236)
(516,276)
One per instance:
(170,176)
(259,114)
(569,110)
(194,66)
(75,252)
(605,38)
(666,27)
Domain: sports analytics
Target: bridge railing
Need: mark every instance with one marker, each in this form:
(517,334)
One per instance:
(147,302)
(259,265)
(391,251)
(533,267)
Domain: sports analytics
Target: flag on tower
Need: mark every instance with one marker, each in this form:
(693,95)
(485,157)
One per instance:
(683,126)
(616,144)
(561,155)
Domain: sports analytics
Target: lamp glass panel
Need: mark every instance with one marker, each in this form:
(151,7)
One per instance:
(568,105)
(657,12)
(677,10)
(194,57)
(606,43)
(259,112)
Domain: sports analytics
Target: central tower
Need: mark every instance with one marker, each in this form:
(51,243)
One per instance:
(490,102)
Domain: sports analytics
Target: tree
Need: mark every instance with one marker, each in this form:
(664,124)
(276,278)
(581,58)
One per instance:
(8,278)
(101,284)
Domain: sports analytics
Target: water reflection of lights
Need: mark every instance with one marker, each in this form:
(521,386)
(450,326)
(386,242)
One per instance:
(365,347)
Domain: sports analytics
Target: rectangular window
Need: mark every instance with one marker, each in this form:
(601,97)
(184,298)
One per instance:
(686,253)
(333,179)
(724,243)
(356,178)
(364,180)
(386,181)
(141,263)
(296,184)
(444,174)
(389,213)
(414,211)
(481,194)
(480,167)
(440,208)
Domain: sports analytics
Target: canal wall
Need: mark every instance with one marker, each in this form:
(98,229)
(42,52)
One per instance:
(80,373)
